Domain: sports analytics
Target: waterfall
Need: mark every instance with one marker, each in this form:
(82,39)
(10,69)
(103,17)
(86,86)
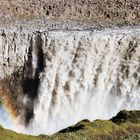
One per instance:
(80,75)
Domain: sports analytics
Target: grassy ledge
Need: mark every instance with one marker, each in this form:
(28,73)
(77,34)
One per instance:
(125,126)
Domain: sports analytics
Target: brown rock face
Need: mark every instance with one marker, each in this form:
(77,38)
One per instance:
(97,11)
(9,90)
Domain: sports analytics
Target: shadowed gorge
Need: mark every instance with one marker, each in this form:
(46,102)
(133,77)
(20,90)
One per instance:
(30,80)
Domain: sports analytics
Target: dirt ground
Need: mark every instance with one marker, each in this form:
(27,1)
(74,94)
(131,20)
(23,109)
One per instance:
(116,12)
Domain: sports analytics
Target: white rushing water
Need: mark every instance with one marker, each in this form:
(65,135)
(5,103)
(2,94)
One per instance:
(87,75)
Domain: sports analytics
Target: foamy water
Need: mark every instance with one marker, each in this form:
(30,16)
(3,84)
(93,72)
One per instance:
(87,75)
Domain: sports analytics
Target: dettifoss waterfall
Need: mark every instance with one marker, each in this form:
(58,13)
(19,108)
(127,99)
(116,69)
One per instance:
(67,76)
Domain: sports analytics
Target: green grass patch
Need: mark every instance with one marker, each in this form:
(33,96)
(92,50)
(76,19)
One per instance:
(125,126)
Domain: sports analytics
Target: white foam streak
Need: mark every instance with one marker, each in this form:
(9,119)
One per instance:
(86,77)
